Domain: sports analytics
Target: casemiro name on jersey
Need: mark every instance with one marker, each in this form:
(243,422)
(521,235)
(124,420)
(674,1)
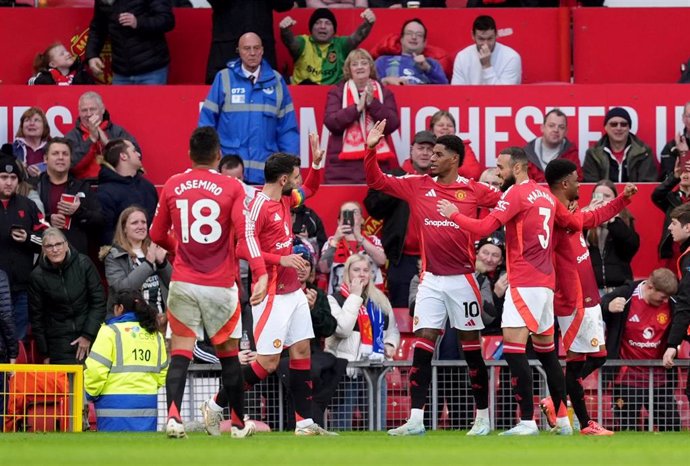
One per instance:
(199,184)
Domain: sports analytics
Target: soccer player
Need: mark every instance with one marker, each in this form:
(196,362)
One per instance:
(282,319)
(448,287)
(204,208)
(576,302)
(529,213)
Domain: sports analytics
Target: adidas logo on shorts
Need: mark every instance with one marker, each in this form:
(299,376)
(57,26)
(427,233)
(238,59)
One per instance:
(470,323)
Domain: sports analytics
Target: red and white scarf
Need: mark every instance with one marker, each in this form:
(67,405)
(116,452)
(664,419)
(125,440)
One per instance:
(363,321)
(355,136)
(61,79)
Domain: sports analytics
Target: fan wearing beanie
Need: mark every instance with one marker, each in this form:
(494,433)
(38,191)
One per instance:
(620,156)
(319,55)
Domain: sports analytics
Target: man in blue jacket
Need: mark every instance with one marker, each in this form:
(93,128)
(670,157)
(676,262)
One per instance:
(250,107)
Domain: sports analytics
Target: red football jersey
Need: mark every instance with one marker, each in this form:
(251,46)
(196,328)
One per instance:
(446,249)
(204,209)
(272,222)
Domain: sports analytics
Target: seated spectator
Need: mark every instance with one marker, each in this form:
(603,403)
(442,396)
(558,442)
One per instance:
(366,330)
(254,116)
(70,204)
(121,184)
(675,147)
(399,235)
(350,239)
(30,141)
(9,346)
(90,135)
(127,365)
(56,65)
(319,55)
(443,123)
(66,301)
(551,145)
(486,61)
(352,108)
(672,192)
(232,165)
(410,66)
(638,320)
(307,225)
(613,244)
(619,155)
(133,262)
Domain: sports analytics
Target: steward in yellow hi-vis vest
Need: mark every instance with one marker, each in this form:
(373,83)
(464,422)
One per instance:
(126,367)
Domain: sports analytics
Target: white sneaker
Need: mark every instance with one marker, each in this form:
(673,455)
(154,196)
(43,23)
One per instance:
(312,429)
(175,429)
(409,428)
(562,430)
(522,429)
(248,431)
(481,426)
(212,419)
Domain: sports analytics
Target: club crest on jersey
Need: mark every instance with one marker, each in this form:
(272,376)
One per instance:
(662,318)
(460,195)
(594,342)
(416,320)
(277,343)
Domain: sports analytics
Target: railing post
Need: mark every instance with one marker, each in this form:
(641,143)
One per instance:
(434,397)
(650,398)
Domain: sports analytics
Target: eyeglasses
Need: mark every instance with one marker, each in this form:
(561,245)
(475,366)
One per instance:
(616,124)
(57,245)
(414,34)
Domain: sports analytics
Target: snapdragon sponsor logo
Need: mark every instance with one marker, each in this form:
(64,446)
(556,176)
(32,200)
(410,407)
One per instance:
(644,344)
(283,245)
(440,223)
(583,257)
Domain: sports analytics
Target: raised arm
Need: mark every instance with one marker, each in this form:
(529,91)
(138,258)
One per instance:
(376,179)
(605,212)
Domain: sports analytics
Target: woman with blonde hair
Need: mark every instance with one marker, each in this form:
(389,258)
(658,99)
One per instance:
(134,262)
(366,330)
(352,108)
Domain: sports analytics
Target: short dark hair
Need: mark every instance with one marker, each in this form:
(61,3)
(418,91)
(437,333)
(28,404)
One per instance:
(517,155)
(413,20)
(230,161)
(59,140)
(681,213)
(483,23)
(558,112)
(557,170)
(453,144)
(204,145)
(112,151)
(280,164)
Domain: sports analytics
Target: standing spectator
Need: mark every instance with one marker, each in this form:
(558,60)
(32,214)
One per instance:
(57,66)
(9,345)
(121,184)
(675,147)
(619,155)
(233,18)
(638,319)
(319,55)
(613,244)
(136,29)
(250,107)
(134,262)
(66,301)
(410,66)
(232,165)
(399,234)
(551,145)
(127,365)
(90,135)
(31,139)
(350,239)
(443,123)
(20,226)
(672,192)
(352,108)
(486,61)
(366,330)
(69,203)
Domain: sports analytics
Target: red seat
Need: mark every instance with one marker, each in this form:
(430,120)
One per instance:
(684,352)
(590,383)
(405,349)
(397,410)
(403,319)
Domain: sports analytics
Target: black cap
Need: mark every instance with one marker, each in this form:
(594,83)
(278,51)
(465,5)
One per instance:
(10,165)
(424,137)
(619,112)
(323,13)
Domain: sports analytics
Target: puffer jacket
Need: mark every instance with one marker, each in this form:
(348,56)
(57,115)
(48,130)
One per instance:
(9,347)
(639,164)
(135,50)
(65,302)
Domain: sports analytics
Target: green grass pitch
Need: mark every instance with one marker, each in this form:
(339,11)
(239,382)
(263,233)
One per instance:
(356,449)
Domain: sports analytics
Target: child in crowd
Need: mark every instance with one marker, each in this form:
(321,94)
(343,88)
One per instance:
(56,65)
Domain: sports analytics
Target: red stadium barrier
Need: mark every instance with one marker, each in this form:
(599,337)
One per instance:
(629,45)
(189,41)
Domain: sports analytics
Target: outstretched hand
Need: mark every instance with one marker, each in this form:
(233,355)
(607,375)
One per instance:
(316,151)
(446,208)
(376,134)
(630,190)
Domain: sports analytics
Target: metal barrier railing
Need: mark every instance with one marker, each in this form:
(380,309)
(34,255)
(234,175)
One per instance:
(634,395)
